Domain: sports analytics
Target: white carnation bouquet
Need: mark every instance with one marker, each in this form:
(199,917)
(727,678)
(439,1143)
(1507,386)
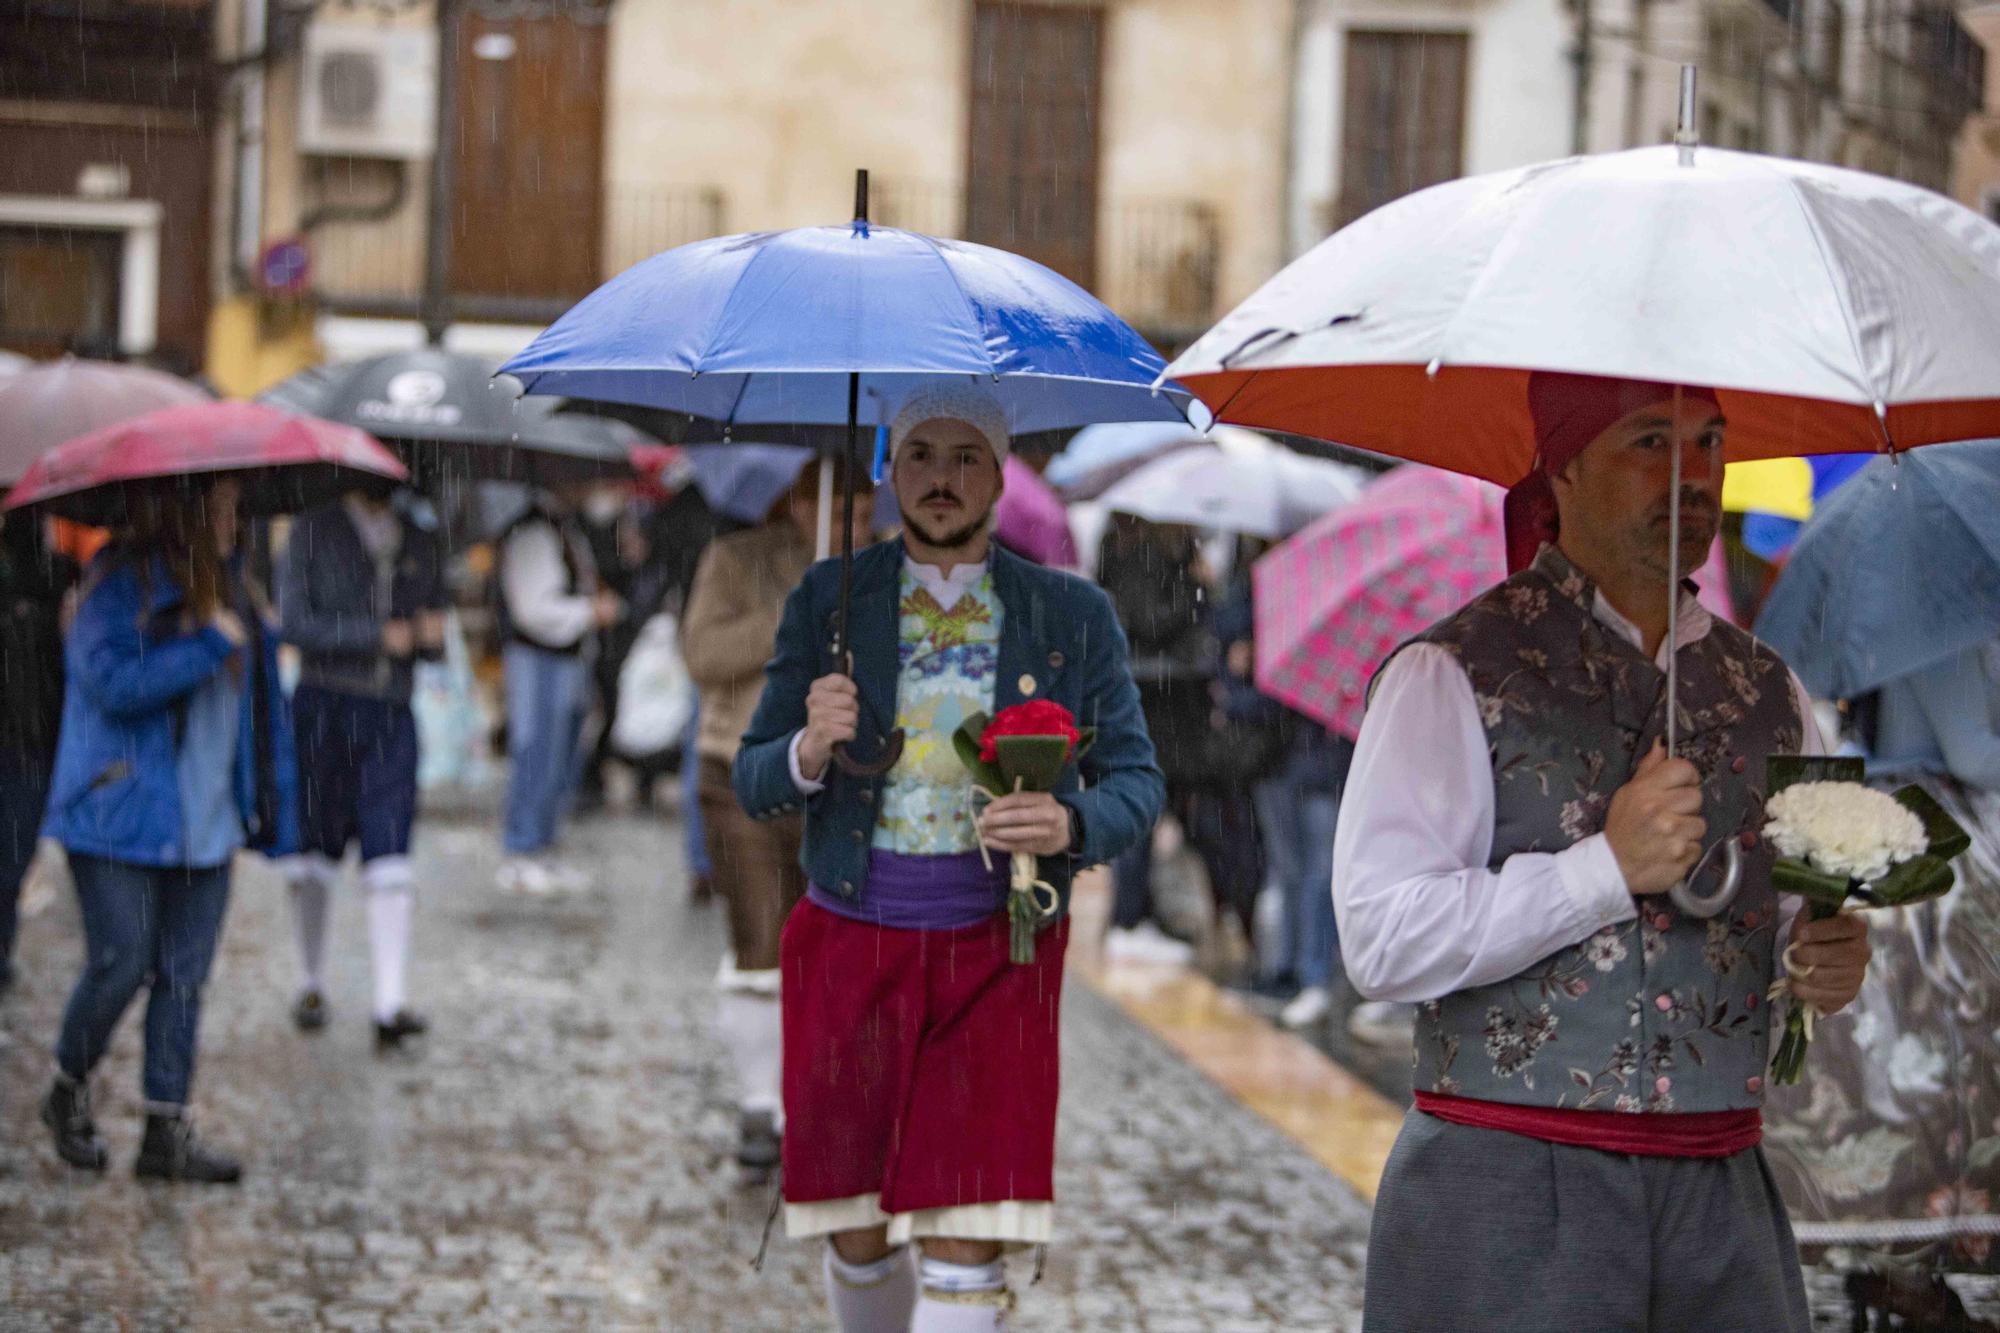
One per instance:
(1843,845)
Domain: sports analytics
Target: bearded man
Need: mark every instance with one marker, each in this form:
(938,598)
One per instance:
(920,1063)
(1590,1060)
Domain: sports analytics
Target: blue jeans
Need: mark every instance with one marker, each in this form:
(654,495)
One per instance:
(24,794)
(545,702)
(693,827)
(143,925)
(1298,825)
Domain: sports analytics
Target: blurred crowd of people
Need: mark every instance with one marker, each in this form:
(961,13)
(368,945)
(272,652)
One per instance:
(167,646)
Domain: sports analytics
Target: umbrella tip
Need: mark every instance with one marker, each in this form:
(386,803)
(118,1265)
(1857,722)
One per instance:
(1686,134)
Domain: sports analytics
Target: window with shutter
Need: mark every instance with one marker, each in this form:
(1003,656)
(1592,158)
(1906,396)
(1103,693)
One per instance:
(1403,117)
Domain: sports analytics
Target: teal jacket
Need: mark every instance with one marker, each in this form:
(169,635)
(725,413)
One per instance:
(1058,640)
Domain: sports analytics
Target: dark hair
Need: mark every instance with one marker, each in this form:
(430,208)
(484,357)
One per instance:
(172,525)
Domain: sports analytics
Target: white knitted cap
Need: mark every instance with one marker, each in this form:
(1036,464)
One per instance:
(952,400)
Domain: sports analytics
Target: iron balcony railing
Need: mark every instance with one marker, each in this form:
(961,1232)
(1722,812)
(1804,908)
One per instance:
(378,266)
(1156,259)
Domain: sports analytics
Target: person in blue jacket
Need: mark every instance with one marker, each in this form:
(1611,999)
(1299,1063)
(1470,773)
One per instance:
(175,752)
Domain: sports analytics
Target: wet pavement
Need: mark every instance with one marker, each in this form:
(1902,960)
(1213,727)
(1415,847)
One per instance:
(558,1155)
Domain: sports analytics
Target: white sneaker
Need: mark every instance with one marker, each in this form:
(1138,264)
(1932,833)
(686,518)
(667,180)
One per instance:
(567,878)
(1383,1023)
(1308,1007)
(1146,943)
(524,875)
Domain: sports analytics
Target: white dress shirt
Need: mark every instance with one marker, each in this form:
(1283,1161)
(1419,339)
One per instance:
(945,589)
(1421,915)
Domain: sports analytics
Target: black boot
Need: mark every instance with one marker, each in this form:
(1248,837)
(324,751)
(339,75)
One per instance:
(66,1111)
(758,1143)
(170,1151)
(390,1036)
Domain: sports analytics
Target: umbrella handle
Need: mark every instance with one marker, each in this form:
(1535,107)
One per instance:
(1693,904)
(892,750)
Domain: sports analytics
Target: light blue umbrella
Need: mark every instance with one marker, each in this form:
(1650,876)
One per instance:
(1898,569)
(743,481)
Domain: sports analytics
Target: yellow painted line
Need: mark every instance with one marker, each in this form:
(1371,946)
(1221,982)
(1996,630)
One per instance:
(1341,1121)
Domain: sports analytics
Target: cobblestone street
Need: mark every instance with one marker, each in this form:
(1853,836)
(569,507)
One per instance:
(558,1156)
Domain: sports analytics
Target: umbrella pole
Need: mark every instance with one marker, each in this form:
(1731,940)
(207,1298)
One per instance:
(891,748)
(1674,576)
(1682,894)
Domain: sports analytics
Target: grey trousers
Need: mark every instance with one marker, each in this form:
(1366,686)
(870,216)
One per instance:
(1478,1229)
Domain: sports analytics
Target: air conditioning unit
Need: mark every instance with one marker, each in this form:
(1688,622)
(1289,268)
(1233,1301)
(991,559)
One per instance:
(367,90)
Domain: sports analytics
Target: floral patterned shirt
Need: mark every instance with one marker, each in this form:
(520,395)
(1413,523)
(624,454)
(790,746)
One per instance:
(948,657)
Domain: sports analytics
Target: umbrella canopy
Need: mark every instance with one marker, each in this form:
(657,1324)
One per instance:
(285,462)
(1246,484)
(1834,311)
(1334,601)
(769,327)
(1898,569)
(1031,518)
(1774,509)
(43,405)
(1097,456)
(743,481)
(451,418)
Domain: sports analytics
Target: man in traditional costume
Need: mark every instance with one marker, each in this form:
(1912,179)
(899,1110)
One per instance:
(1590,1060)
(920,1063)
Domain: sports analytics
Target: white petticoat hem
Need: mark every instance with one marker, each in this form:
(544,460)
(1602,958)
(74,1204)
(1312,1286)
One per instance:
(1009,1221)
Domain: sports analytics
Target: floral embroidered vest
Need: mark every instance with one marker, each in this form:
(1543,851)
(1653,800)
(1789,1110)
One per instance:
(949,657)
(1665,1012)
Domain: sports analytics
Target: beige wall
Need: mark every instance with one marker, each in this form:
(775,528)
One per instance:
(778,101)
(774,103)
(1978,183)
(1196,99)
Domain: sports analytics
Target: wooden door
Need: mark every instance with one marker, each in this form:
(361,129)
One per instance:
(527,220)
(1031,182)
(1402,119)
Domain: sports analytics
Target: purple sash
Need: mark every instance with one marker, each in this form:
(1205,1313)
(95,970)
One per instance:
(923,892)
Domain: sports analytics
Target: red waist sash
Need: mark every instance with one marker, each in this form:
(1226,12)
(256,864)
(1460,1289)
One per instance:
(1668,1134)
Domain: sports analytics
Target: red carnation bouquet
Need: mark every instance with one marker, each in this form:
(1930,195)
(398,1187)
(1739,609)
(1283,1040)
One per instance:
(1024,748)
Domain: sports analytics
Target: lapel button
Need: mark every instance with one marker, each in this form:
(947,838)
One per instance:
(1027,684)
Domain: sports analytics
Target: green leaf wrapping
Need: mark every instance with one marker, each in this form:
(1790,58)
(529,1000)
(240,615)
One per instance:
(1917,880)
(1788,770)
(1790,875)
(1947,837)
(1031,763)
(965,741)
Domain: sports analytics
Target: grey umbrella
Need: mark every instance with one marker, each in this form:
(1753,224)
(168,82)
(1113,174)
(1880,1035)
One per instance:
(453,421)
(44,405)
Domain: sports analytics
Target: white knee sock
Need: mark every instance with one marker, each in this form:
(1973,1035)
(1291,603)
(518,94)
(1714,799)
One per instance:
(962,1298)
(872,1298)
(387,882)
(750,1027)
(311,878)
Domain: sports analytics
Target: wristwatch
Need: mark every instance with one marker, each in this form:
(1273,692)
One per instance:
(1075,830)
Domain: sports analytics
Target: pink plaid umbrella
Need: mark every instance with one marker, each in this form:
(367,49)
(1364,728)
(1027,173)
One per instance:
(1335,600)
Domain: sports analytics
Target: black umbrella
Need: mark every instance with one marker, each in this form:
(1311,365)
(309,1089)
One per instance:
(453,421)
